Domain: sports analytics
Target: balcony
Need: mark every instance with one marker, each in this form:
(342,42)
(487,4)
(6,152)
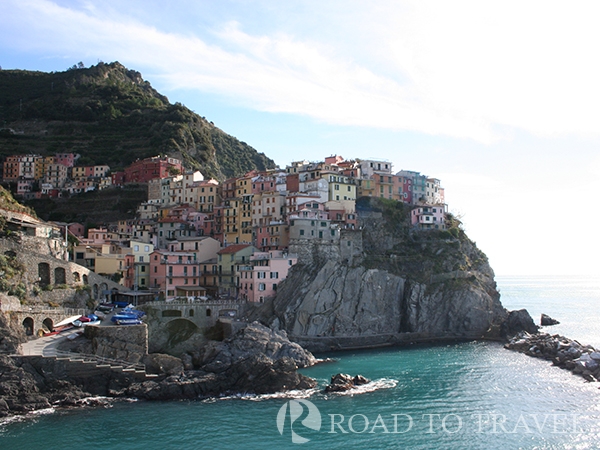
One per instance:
(177,263)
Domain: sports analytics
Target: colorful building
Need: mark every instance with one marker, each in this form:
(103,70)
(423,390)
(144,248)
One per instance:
(258,278)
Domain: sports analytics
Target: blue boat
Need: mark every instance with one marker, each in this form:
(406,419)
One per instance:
(128,322)
(128,314)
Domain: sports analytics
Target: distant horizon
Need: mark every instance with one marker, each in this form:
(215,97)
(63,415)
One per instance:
(498,101)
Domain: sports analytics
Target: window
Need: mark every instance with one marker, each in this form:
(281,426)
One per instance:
(261,286)
(142,268)
(301,232)
(136,248)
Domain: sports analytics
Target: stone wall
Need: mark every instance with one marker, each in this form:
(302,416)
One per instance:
(124,343)
(315,251)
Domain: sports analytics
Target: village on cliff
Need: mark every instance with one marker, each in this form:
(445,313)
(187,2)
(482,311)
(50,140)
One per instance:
(195,239)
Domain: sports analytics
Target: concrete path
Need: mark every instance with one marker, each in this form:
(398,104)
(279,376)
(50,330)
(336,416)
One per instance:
(46,346)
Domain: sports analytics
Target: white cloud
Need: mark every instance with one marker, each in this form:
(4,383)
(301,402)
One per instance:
(458,69)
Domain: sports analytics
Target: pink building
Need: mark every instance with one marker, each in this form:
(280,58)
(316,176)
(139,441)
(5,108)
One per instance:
(97,235)
(258,279)
(175,274)
(66,159)
(429,217)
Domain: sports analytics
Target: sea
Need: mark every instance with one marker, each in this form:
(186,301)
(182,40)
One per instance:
(470,395)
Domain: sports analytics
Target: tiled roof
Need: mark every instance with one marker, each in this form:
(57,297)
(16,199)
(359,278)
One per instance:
(232,249)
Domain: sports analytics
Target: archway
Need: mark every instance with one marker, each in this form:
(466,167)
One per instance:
(76,277)
(180,330)
(85,280)
(95,291)
(28,325)
(48,324)
(60,276)
(44,274)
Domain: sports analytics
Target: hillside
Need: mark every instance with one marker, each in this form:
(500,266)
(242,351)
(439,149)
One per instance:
(110,115)
(94,208)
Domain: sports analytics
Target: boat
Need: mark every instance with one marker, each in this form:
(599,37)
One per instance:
(125,316)
(128,322)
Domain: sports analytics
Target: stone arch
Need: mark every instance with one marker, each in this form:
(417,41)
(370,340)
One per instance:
(60,276)
(28,325)
(103,289)
(208,312)
(44,274)
(48,323)
(85,280)
(180,330)
(76,277)
(95,291)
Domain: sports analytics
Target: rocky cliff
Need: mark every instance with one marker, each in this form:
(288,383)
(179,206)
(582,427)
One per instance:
(406,286)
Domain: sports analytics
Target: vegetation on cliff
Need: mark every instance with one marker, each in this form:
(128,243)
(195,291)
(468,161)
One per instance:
(110,115)
(392,244)
(8,202)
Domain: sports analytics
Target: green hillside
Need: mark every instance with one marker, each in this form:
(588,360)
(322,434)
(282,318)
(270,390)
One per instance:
(110,115)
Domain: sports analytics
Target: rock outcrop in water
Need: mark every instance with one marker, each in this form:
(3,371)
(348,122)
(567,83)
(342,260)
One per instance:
(255,360)
(401,286)
(342,382)
(583,360)
(547,321)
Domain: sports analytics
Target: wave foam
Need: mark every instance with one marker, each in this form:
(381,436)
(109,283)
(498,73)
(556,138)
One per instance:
(371,386)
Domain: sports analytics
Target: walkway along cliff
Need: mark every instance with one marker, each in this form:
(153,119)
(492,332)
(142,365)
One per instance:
(388,284)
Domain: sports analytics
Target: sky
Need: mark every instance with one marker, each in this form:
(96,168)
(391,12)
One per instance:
(499,100)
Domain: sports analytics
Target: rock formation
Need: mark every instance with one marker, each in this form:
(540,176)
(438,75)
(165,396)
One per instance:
(255,360)
(546,321)
(583,360)
(342,382)
(406,286)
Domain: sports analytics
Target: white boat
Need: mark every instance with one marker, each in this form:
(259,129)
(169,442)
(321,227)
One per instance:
(67,321)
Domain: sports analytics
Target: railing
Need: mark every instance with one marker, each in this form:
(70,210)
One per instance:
(66,311)
(175,263)
(228,303)
(101,359)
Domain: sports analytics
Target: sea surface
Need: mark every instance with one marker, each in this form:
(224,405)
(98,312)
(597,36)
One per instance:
(473,395)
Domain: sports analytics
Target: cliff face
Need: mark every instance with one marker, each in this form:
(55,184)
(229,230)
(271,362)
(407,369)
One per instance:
(406,286)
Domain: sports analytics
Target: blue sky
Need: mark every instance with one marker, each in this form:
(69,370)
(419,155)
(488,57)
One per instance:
(497,99)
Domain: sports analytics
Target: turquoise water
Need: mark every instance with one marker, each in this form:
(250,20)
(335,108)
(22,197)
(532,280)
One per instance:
(462,396)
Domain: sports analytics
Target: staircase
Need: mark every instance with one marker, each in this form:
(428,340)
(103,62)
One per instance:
(93,363)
